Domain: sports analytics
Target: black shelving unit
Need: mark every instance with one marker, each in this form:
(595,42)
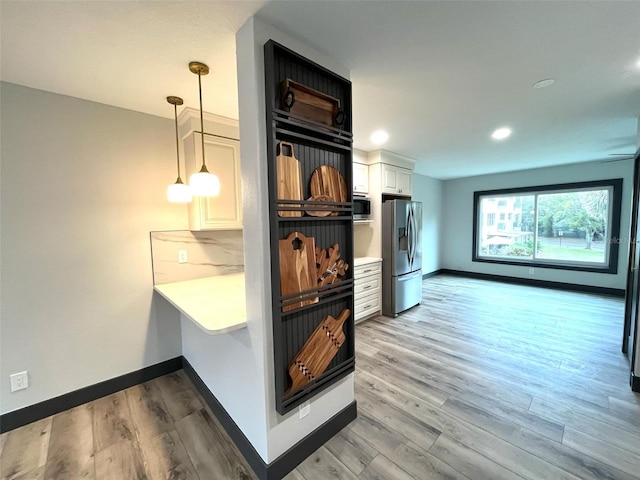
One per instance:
(315,144)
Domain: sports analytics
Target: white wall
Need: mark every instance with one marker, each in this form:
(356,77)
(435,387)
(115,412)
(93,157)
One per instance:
(82,186)
(429,191)
(229,367)
(282,431)
(457,211)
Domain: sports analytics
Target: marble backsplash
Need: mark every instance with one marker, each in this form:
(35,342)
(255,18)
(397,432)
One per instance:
(210,253)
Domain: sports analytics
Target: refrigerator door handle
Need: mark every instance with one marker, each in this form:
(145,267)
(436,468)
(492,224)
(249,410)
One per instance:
(410,235)
(414,232)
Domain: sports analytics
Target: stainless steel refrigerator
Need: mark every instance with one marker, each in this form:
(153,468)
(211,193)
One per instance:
(401,256)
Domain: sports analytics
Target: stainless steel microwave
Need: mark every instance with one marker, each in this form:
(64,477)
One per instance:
(361,208)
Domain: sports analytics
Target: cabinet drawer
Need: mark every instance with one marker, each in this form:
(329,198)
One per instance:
(367,269)
(367,285)
(367,306)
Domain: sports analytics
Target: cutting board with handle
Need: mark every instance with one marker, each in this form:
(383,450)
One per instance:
(327,180)
(309,103)
(329,265)
(289,175)
(297,268)
(318,351)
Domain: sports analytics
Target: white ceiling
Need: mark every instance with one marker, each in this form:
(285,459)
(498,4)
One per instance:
(438,76)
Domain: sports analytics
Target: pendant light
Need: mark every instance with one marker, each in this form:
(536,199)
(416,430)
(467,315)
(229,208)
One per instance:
(203,183)
(177,192)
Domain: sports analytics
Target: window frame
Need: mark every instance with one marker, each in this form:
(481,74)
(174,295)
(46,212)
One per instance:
(611,263)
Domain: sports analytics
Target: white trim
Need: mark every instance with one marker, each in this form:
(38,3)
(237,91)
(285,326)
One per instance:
(390,158)
(189,121)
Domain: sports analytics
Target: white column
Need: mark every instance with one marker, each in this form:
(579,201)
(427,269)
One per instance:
(282,432)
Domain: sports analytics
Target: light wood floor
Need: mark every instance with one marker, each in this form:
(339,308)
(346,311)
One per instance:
(482,381)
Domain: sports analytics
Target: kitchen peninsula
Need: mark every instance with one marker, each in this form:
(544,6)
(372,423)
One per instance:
(215,304)
(208,286)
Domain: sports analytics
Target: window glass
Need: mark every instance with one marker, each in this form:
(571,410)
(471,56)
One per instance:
(570,227)
(507,239)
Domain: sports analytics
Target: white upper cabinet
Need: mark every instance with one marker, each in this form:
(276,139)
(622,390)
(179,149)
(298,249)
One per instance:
(406,181)
(396,180)
(360,178)
(222,156)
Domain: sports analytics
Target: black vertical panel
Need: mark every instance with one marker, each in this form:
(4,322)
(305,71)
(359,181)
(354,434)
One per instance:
(292,329)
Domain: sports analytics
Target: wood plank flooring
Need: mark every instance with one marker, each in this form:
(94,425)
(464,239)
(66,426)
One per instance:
(482,381)
(158,430)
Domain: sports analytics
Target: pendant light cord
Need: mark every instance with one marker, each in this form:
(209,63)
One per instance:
(204,166)
(175,116)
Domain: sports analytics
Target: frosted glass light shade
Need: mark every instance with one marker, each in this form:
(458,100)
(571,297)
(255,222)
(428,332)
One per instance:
(179,193)
(204,184)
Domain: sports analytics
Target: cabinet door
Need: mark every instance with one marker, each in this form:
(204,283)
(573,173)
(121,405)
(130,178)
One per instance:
(405,181)
(223,212)
(360,178)
(389,179)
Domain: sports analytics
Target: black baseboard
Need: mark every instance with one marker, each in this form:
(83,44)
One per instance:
(431,274)
(292,457)
(41,410)
(635,383)
(615,292)
(309,444)
(244,445)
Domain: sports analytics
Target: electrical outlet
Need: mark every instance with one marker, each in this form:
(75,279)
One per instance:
(182,256)
(532,271)
(304,409)
(19,381)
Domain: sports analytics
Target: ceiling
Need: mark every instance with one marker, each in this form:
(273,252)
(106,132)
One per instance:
(438,76)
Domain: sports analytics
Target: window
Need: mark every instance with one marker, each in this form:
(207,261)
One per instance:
(571,226)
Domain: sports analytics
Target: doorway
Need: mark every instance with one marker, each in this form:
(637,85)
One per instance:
(632,299)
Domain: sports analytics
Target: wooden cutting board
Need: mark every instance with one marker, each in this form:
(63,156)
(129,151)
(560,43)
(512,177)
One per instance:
(297,268)
(319,210)
(327,180)
(289,178)
(309,103)
(329,265)
(318,351)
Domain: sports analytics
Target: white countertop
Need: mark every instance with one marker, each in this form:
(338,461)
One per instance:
(215,304)
(365,260)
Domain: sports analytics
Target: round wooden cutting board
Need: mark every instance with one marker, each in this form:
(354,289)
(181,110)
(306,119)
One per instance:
(327,180)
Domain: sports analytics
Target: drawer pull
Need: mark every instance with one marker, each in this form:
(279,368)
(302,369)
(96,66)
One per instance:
(367,287)
(367,271)
(368,306)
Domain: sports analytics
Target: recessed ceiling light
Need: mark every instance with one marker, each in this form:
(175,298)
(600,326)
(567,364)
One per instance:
(547,82)
(379,137)
(501,133)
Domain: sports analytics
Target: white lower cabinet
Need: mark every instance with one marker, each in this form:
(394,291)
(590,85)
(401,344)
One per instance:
(367,289)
